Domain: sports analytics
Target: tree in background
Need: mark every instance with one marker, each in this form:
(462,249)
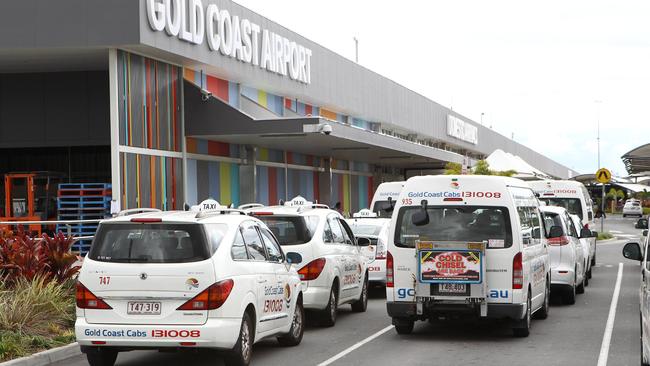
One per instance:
(453,169)
(482,167)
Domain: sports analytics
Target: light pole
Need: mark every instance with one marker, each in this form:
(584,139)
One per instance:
(356,49)
(482,114)
(602,196)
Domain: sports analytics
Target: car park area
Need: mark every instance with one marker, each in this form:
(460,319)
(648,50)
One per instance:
(573,334)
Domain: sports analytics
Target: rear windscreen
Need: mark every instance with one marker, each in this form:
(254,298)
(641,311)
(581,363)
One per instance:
(291,230)
(552,219)
(365,230)
(573,205)
(454,223)
(384,208)
(152,243)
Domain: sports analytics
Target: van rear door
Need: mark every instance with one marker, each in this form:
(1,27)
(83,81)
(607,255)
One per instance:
(146,271)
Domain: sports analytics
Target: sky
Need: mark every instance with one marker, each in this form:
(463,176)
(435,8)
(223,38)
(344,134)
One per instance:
(544,72)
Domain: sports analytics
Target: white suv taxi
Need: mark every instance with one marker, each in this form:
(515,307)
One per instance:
(335,270)
(367,224)
(214,279)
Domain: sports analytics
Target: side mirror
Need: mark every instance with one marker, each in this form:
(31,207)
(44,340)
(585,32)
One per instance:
(363,242)
(388,206)
(641,224)
(585,233)
(555,232)
(536,233)
(421,217)
(294,258)
(645,232)
(632,251)
(594,234)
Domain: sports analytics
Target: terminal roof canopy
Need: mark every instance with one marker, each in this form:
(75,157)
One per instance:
(637,160)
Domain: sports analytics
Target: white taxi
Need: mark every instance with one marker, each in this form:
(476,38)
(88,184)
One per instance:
(335,272)
(215,279)
(367,224)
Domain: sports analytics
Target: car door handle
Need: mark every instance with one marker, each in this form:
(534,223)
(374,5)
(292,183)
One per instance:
(261,280)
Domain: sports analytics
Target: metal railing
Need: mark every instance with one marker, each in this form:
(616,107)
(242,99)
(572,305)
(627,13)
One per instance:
(67,223)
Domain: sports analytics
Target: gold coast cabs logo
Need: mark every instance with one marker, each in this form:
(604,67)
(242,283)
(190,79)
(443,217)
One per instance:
(454,184)
(287,294)
(192,283)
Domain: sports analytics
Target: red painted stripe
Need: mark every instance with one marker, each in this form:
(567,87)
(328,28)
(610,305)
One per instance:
(155,78)
(287,103)
(308,109)
(273,186)
(218,148)
(289,157)
(174,117)
(147,65)
(173,183)
(220,88)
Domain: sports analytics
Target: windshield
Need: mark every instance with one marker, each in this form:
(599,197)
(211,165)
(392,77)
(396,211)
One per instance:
(573,205)
(384,208)
(154,243)
(455,223)
(291,230)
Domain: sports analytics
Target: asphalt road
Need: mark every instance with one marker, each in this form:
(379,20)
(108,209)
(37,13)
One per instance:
(572,335)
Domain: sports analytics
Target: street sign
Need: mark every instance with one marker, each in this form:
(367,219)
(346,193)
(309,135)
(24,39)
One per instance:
(603,175)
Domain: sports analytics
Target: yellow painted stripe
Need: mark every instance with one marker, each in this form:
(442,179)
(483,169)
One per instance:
(262,99)
(264,154)
(224,183)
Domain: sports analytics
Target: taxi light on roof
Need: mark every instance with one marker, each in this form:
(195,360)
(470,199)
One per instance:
(453,199)
(146,219)
(262,213)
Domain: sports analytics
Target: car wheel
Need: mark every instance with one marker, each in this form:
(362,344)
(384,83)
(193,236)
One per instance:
(644,357)
(521,328)
(542,313)
(570,295)
(593,260)
(241,354)
(403,326)
(101,357)
(581,287)
(294,337)
(589,273)
(328,316)
(361,305)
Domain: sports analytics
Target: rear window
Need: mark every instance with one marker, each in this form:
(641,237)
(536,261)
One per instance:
(552,219)
(291,230)
(384,208)
(365,230)
(455,223)
(154,243)
(573,205)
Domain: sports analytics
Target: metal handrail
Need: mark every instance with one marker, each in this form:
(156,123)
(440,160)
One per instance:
(132,211)
(68,223)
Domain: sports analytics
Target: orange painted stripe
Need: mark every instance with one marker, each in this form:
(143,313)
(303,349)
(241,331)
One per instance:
(328,114)
(155,89)
(190,145)
(152,174)
(189,74)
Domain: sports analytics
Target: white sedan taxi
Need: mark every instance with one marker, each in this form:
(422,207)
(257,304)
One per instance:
(212,279)
(335,270)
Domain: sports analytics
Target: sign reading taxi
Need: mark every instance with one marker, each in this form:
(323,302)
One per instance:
(603,175)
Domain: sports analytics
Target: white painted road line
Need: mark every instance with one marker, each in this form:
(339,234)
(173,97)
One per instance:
(616,232)
(607,337)
(337,357)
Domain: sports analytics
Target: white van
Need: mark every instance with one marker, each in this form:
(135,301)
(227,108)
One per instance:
(574,197)
(383,201)
(467,246)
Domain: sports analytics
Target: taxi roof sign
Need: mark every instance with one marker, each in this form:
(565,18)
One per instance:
(298,201)
(207,205)
(365,213)
(603,175)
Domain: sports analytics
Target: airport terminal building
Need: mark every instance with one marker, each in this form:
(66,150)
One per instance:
(174,101)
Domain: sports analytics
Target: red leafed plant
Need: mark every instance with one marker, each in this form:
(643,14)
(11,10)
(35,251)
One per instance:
(23,256)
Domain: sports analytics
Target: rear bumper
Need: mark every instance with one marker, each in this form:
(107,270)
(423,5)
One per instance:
(561,276)
(408,310)
(377,271)
(215,333)
(316,298)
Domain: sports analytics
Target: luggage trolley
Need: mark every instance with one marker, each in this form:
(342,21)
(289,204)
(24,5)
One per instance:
(451,273)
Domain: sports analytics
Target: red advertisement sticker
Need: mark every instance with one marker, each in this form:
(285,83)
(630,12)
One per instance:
(450,266)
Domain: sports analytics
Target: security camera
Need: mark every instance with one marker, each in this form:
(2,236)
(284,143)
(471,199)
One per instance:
(325,129)
(205,94)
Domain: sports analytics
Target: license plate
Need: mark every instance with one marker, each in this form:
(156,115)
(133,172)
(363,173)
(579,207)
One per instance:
(452,288)
(143,308)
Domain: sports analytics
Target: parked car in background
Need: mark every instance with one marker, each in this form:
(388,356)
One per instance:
(632,208)
(568,273)
(385,198)
(367,224)
(584,236)
(640,253)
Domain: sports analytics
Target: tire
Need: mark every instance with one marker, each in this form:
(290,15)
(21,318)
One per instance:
(589,273)
(521,328)
(403,326)
(569,296)
(542,313)
(593,260)
(294,337)
(242,353)
(328,316)
(580,289)
(101,357)
(361,305)
(644,359)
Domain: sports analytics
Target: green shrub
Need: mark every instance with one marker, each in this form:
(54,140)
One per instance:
(604,236)
(37,307)
(646,211)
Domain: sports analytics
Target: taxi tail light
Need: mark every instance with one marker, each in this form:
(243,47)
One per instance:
(87,300)
(145,220)
(380,255)
(211,298)
(562,240)
(517,272)
(390,280)
(586,226)
(312,270)
(453,199)
(262,213)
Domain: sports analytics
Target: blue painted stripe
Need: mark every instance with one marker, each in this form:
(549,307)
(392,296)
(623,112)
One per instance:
(234,184)
(233,94)
(191,178)
(262,185)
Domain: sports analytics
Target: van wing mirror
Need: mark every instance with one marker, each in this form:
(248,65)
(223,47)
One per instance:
(388,206)
(363,241)
(555,232)
(641,224)
(645,232)
(421,217)
(632,251)
(294,258)
(594,234)
(585,233)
